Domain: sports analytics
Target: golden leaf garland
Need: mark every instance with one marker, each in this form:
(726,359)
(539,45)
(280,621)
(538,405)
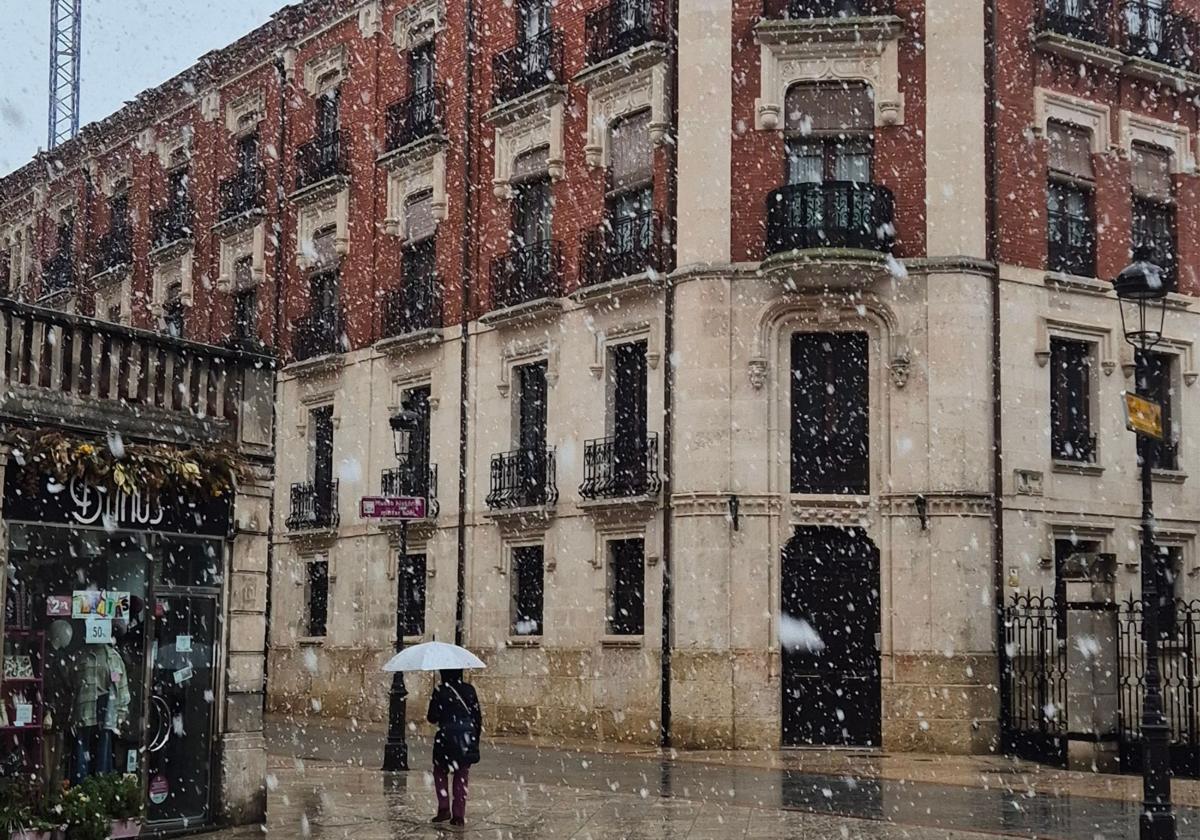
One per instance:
(194,472)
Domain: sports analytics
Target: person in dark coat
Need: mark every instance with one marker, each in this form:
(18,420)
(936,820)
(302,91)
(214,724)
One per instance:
(454,708)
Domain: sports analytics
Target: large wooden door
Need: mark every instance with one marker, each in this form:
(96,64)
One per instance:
(830,639)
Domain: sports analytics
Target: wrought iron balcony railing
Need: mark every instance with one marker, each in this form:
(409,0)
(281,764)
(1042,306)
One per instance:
(834,214)
(527,274)
(172,224)
(418,480)
(530,65)
(624,248)
(114,248)
(1153,31)
(623,25)
(415,118)
(414,307)
(240,193)
(313,506)
(816,9)
(318,333)
(63,369)
(1086,20)
(523,478)
(319,160)
(617,467)
(58,273)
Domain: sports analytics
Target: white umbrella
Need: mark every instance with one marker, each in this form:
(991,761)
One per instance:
(433,656)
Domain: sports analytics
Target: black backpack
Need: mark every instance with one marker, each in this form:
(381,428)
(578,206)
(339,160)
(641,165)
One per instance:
(459,725)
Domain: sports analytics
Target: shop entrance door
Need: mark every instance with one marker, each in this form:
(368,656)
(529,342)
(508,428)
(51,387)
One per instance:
(181,710)
(831,673)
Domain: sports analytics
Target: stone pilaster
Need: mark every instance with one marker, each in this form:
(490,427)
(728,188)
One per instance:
(243,751)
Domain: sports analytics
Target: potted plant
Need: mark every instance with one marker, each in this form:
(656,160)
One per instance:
(23,818)
(85,812)
(125,806)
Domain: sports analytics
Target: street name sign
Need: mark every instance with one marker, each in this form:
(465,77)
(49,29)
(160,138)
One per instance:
(1143,416)
(392,507)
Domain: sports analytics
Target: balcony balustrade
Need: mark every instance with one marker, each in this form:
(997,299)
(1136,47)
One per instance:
(526,274)
(523,478)
(1153,31)
(419,480)
(820,9)
(172,224)
(623,25)
(530,65)
(314,506)
(319,160)
(318,333)
(1086,20)
(415,307)
(239,194)
(415,118)
(80,373)
(620,467)
(625,248)
(834,214)
(114,249)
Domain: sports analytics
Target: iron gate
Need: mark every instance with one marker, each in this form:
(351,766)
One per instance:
(1036,713)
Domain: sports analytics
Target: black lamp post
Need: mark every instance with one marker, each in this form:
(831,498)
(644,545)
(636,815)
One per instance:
(1142,292)
(404,424)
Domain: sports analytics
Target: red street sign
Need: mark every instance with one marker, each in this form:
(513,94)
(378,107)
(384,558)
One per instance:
(391,507)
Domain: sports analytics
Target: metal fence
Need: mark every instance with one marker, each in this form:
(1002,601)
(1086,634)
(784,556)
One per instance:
(1040,670)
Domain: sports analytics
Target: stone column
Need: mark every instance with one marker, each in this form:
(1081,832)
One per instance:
(243,749)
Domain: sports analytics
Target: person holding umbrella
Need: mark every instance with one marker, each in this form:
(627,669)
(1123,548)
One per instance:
(454,709)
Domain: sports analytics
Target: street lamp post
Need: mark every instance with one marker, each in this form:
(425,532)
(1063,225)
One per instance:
(395,752)
(1142,294)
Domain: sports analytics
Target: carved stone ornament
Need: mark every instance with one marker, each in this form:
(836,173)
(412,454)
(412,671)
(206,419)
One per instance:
(757,372)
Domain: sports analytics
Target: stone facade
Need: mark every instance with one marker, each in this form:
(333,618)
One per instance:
(964,501)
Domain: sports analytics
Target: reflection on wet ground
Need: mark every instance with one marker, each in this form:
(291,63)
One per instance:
(332,789)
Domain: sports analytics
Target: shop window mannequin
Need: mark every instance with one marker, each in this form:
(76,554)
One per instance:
(100,709)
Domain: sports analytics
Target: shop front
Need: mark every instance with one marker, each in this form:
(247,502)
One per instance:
(114,640)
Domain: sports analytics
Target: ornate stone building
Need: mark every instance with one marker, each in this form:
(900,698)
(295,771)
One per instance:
(730,324)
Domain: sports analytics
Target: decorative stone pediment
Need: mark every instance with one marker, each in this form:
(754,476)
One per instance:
(638,86)
(247,242)
(411,175)
(794,51)
(1136,128)
(175,149)
(325,71)
(537,124)
(418,23)
(331,209)
(243,114)
(167,272)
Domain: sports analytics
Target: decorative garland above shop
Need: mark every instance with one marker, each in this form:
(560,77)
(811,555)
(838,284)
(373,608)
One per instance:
(197,472)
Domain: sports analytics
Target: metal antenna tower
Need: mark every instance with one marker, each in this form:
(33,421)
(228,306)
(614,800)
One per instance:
(65,18)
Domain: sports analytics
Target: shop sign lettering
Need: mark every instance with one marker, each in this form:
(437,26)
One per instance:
(120,508)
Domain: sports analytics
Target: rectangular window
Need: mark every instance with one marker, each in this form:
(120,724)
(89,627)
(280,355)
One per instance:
(532,462)
(830,413)
(528,590)
(421,68)
(247,156)
(316,597)
(829,128)
(629,418)
(1072,438)
(412,594)
(626,588)
(327,115)
(1071,229)
(245,314)
(532,212)
(1156,382)
(1154,229)
(1169,583)
(631,155)
(417,400)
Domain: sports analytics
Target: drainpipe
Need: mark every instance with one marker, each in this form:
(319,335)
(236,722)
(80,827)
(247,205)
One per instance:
(993,255)
(460,601)
(277,272)
(668,483)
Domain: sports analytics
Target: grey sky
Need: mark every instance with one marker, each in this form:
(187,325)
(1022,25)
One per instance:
(128,46)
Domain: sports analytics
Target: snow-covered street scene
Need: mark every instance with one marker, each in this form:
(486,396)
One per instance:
(600,419)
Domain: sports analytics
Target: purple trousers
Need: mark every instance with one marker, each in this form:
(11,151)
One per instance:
(441,773)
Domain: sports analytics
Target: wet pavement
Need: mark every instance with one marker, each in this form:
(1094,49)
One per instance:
(325,785)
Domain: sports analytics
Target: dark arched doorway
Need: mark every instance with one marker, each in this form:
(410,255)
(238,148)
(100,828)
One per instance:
(829,638)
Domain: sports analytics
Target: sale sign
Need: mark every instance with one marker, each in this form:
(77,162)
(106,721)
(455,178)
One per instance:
(99,603)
